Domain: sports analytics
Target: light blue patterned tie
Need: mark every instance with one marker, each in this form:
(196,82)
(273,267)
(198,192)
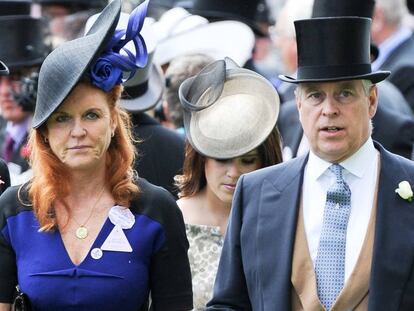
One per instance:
(330,260)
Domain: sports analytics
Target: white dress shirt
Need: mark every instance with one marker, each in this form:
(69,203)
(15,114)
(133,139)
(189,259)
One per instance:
(360,173)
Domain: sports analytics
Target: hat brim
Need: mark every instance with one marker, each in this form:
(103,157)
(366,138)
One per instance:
(151,97)
(374,77)
(239,121)
(218,40)
(4,71)
(65,66)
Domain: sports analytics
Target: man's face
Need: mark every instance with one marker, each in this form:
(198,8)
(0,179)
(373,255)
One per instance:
(336,116)
(10,110)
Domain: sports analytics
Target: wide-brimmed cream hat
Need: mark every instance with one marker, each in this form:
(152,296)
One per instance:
(182,33)
(228,110)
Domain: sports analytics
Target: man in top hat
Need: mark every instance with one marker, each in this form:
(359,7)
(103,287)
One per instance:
(331,230)
(393,122)
(24,52)
(4,171)
(67,18)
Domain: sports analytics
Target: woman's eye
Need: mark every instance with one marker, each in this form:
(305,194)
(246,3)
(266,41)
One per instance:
(222,160)
(61,118)
(249,161)
(92,115)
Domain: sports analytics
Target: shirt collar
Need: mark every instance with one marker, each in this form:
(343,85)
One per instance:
(356,164)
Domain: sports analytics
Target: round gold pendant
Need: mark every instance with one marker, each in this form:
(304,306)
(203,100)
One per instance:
(81,233)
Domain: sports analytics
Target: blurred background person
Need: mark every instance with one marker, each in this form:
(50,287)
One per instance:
(67,18)
(24,52)
(179,69)
(284,39)
(395,41)
(230,116)
(4,171)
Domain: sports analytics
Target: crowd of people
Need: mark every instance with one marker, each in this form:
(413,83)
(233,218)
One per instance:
(207,155)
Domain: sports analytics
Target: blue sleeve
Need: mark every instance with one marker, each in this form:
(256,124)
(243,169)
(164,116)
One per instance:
(230,288)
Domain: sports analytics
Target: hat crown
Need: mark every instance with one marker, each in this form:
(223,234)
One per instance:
(340,37)
(327,8)
(26,40)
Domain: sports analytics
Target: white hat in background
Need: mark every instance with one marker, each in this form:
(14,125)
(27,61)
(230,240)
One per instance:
(181,33)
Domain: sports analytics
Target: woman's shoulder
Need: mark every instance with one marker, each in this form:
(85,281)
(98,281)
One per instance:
(154,201)
(14,201)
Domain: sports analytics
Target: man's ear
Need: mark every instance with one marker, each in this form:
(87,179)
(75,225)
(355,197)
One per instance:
(373,101)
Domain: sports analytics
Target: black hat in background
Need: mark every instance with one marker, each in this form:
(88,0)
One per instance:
(241,10)
(15,7)
(25,37)
(334,49)
(410,6)
(361,8)
(4,71)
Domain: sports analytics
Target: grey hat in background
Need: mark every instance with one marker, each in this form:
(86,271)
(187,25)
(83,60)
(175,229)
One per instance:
(66,65)
(228,110)
(4,71)
(145,89)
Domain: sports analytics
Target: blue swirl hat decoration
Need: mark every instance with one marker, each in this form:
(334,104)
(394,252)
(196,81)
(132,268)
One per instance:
(100,55)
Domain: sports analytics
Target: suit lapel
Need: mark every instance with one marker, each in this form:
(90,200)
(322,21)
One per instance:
(393,253)
(278,211)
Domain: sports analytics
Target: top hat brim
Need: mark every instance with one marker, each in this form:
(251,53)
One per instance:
(67,64)
(152,95)
(374,77)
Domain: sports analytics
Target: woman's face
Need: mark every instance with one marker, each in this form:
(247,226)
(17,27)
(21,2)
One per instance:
(80,130)
(222,175)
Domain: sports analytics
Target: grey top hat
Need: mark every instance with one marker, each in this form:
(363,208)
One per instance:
(4,71)
(228,110)
(66,65)
(334,49)
(145,89)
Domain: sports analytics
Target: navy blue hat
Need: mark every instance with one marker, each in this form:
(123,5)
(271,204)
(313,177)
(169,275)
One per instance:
(66,65)
(334,49)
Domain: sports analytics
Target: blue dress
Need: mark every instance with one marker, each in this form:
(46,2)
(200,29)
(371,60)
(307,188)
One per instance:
(39,263)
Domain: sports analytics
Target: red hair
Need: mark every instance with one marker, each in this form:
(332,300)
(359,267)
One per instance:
(48,185)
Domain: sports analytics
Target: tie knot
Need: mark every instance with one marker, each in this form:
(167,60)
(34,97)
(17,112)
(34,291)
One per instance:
(337,170)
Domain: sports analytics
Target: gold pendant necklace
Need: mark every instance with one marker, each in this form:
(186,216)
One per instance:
(82,232)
